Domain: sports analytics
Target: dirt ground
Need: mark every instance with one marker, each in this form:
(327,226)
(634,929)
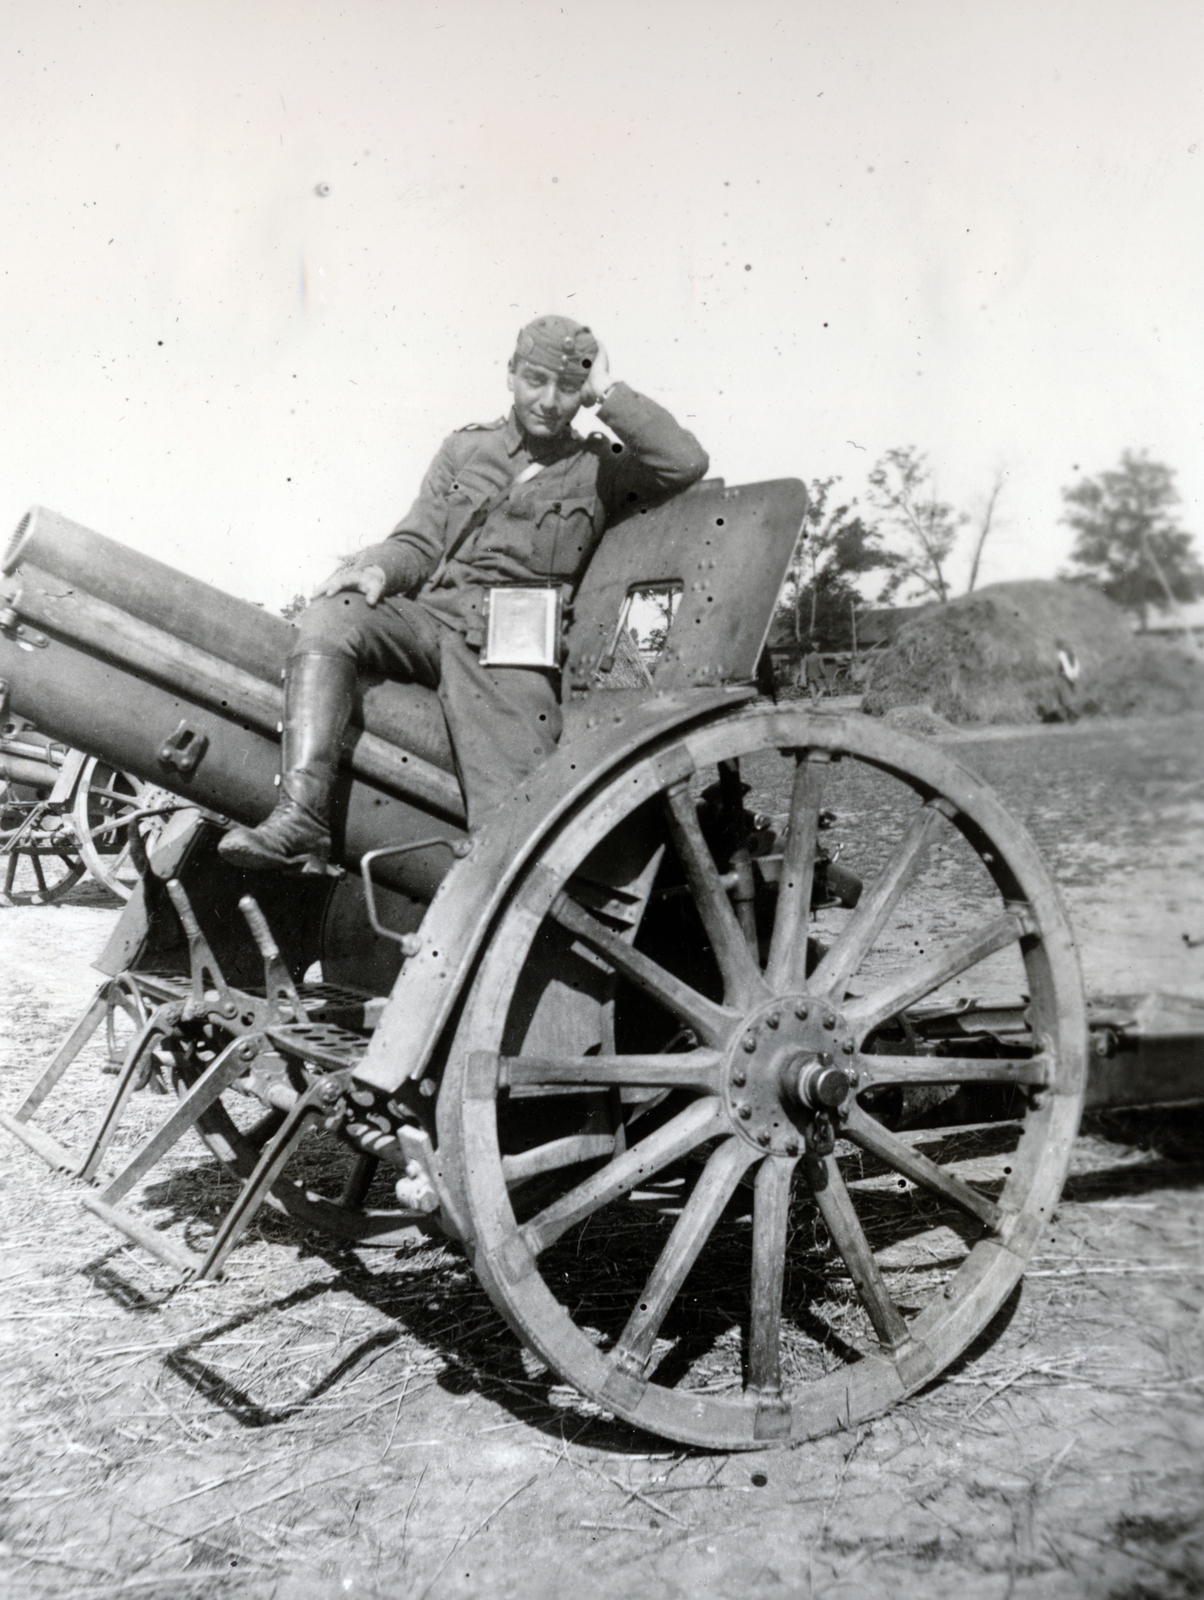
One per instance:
(328,1423)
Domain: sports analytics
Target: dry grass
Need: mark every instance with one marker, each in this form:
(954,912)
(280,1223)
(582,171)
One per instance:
(325,1415)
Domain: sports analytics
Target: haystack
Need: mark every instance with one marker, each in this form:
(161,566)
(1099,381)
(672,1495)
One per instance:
(992,656)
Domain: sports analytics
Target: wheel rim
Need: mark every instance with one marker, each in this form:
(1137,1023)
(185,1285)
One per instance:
(763,1114)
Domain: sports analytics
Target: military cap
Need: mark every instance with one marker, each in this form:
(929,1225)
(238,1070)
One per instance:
(558,343)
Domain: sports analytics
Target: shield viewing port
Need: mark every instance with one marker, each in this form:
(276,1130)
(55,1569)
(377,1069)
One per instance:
(644,621)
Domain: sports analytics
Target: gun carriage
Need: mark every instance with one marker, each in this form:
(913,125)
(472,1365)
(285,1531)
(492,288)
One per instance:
(684,1092)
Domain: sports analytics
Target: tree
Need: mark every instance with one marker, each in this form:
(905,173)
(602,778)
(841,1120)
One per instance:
(986,519)
(835,545)
(1129,542)
(903,490)
(293,608)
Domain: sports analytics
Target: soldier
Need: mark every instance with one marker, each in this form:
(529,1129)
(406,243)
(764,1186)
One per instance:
(1068,681)
(520,501)
(813,674)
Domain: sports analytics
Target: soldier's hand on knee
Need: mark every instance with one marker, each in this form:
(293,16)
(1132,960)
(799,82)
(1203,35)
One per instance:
(368,581)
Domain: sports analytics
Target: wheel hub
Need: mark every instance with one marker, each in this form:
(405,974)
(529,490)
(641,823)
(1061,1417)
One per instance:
(793,1057)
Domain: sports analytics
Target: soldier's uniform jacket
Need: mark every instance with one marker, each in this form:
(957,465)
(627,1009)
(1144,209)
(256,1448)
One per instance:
(541,530)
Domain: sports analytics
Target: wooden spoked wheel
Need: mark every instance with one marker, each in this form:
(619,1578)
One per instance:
(108,805)
(761,1258)
(42,857)
(326,1186)
(125,1017)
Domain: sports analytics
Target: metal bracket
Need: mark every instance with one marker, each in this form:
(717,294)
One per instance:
(278,987)
(204,970)
(408,941)
(183,749)
(820,1136)
(13,628)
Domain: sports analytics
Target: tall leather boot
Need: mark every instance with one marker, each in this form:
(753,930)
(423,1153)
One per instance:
(296,836)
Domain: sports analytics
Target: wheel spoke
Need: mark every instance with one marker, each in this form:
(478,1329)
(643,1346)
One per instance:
(863,927)
(712,1023)
(788,950)
(698,1122)
(848,1236)
(771,1210)
(557,1153)
(903,1157)
(874,1071)
(715,1187)
(744,889)
(742,981)
(698,1070)
(114,824)
(36,861)
(915,981)
(104,792)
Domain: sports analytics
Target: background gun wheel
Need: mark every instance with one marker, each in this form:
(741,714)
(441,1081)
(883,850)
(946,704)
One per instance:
(40,855)
(108,804)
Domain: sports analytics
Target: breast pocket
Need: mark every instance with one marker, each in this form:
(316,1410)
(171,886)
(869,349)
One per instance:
(567,529)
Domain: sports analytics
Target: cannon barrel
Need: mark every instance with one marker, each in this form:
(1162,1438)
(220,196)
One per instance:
(20,769)
(192,613)
(170,679)
(30,758)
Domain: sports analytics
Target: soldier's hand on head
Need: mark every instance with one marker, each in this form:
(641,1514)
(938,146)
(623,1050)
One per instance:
(593,390)
(368,581)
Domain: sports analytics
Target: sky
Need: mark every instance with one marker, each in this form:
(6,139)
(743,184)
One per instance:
(258,260)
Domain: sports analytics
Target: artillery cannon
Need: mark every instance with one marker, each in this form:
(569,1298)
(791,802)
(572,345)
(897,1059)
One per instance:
(635,1034)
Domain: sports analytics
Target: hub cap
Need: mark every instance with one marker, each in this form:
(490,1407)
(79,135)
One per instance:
(792,1058)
